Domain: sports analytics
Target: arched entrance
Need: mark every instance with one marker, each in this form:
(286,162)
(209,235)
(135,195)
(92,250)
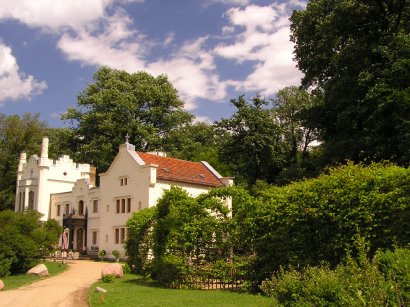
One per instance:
(80,239)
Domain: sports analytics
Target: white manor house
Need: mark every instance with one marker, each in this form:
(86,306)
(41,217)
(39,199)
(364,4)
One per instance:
(94,218)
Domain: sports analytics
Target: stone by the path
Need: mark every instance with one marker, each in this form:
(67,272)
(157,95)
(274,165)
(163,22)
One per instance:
(39,270)
(114,269)
(1,285)
(99,289)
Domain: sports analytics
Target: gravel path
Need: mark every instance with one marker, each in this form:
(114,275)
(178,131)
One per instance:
(68,289)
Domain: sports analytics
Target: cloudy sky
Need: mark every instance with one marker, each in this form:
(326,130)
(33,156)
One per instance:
(211,50)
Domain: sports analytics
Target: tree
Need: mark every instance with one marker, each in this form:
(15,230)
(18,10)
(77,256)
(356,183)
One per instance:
(117,103)
(253,147)
(198,142)
(356,54)
(289,105)
(17,134)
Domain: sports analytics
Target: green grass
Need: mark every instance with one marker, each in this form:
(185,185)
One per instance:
(132,290)
(16,281)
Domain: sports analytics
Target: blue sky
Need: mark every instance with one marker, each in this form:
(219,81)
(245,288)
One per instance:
(211,50)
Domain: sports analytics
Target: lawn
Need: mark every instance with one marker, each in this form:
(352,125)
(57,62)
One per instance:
(132,290)
(16,281)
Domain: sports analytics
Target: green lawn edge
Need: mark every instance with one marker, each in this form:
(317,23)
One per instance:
(134,290)
(12,282)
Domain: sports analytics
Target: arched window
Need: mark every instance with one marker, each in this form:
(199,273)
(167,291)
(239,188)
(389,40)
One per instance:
(31,200)
(81,207)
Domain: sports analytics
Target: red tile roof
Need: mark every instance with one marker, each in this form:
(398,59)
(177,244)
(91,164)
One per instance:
(180,170)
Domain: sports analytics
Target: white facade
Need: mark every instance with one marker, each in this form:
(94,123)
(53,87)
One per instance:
(95,217)
(38,178)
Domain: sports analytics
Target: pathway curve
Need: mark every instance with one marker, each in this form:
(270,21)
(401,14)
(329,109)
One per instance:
(68,289)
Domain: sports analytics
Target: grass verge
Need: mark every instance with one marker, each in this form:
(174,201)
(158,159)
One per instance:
(133,290)
(16,281)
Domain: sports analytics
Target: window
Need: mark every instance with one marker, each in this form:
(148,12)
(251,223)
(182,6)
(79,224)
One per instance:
(67,209)
(120,235)
(95,206)
(128,204)
(31,200)
(124,181)
(94,238)
(58,210)
(123,205)
(21,204)
(117,235)
(81,207)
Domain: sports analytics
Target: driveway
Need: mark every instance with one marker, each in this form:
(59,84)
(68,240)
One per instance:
(68,289)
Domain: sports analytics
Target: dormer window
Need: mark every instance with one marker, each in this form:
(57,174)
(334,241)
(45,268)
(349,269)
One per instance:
(123,181)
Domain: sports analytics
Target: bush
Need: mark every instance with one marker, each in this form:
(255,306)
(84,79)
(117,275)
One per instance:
(24,240)
(356,283)
(116,254)
(317,220)
(4,266)
(109,278)
(168,270)
(126,268)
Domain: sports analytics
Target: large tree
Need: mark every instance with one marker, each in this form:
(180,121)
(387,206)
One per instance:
(118,103)
(253,147)
(290,103)
(356,55)
(17,134)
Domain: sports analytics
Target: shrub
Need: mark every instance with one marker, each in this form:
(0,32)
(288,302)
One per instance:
(24,240)
(168,270)
(126,268)
(317,220)
(109,278)
(116,254)
(359,282)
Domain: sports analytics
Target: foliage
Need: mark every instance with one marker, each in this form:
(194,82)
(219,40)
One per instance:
(117,103)
(289,105)
(139,242)
(17,134)
(253,147)
(184,225)
(355,283)
(24,239)
(108,278)
(198,142)
(355,54)
(116,254)
(318,219)
(102,253)
(126,268)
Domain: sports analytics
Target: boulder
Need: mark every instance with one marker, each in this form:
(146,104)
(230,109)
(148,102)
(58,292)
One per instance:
(1,285)
(112,268)
(39,270)
(99,289)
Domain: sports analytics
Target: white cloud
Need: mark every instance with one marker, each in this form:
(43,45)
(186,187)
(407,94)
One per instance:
(265,41)
(228,2)
(100,32)
(53,15)
(14,84)
(192,71)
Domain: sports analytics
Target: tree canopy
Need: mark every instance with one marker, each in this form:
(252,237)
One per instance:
(117,103)
(253,147)
(17,134)
(356,55)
